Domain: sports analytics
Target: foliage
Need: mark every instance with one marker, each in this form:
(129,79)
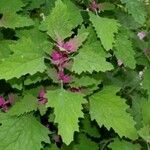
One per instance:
(74,74)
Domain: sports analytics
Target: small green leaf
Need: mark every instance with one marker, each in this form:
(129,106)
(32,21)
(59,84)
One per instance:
(27,104)
(105,29)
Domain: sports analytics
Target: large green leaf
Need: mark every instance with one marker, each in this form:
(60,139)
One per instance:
(136,9)
(13,20)
(27,59)
(61,21)
(67,109)
(22,133)
(124,50)
(91,58)
(105,29)
(110,110)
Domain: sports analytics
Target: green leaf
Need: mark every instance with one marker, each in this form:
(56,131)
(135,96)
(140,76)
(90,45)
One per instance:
(23,133)
(16,83)
(10,5)
(91,58)
(4,49)
(83,81)
(146,81)
(127,20)
(67,109)
(39,38)
(13,20)
(60,22)
(145,109)
(145,133)
(27,104)
(89,127)
(105,29)
(27,59)
(136,9)
(110,110)
(123,145)
(124,50)
(85,144)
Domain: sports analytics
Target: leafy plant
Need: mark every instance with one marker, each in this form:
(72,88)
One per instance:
(74,74)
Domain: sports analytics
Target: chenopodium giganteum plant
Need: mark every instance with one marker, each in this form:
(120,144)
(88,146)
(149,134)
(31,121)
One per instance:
(74,74)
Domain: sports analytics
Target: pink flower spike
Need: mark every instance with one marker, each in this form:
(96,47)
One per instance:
(63,77)
(42,93)
(56,55)
(141,35)
(59,58)
(94,6)
(70,46)
(2,101)
(41,96)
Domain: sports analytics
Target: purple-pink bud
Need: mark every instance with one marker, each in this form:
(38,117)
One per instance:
(56,55)
(41,96)
(63,77)
(69,46)
(59,58)
(42,93)
(94,6)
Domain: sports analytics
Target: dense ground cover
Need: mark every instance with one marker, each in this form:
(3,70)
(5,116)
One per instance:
(74,74)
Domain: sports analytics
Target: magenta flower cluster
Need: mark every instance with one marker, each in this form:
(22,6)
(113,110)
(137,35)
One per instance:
(60,58)
(94,6)
(4,104)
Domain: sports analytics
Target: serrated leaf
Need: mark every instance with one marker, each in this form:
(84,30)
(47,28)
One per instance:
(16,83)
(60,22)
(13,20)
(124,50)
(67,109)
(91,58)
(136,9)
(27,104)
(127,20)
(10,5)
(145,133)
(105,29)
(110,110)
(123,145)
(89,127)
(85,143)
(27,59)
(83,81)
(24,133)
(4,49)
(39,38)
